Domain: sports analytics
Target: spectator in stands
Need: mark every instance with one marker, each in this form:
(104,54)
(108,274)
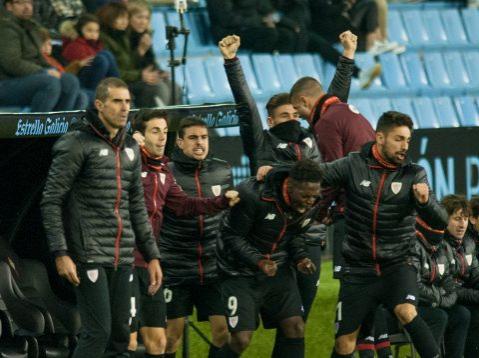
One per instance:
(466,272)
(141,42)
(81,44)
(144,83)
(473,228)
(26,78)
(261,29)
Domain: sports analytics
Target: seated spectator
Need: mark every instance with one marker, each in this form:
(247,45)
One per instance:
(141,42)
(143,82)
(81,44)
(26,78)
(473,229)
(261,28)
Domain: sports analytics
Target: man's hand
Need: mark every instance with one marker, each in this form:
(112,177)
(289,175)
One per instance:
(156,276)
(233,197)
(140,139)
(350,44)
(87,61)
(229,46)
(269,267)
(67,269)
(421,192)
(262,172)
(54,73)
(306,266)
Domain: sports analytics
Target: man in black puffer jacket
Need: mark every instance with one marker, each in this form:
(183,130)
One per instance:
(259,241)
(384,193)
(94,213)
(188,244)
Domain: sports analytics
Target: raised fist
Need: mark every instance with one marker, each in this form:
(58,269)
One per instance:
(228,46)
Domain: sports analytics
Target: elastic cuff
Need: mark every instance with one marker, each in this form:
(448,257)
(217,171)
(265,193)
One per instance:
(231,60)
(60,253)
(345,59)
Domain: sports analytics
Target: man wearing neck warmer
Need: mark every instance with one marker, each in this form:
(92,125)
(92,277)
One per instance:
(161,191)
(466,270)
(384,192)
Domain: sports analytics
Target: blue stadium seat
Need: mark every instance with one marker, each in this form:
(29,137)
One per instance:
(396,30)
(426,116)
(266,74)
(445,112)
(435,30)
(404,105)
(436,71)
(319,63)
(159,33)
(263,113)
(379,106)
(392,72)
(456,69)
(364,61)
(305,66)
(328,73)
(415,28)
(250,76)
(414,71)
(195,45)
(471,23)
(454,28)
(364,107)
(471,59)
(286,71)
(217,78)
(468,113)
(199,89)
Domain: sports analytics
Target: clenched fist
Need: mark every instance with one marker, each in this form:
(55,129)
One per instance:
(421,192)
(269,267)
(233,197)
(306,266)
(229,46)
(350,44)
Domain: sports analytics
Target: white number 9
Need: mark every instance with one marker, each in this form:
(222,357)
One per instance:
(232,305)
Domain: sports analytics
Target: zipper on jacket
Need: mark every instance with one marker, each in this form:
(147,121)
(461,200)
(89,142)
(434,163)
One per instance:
(281,233)
(297,149)
(375,219)
(117,206)
(463,263)
(199,248)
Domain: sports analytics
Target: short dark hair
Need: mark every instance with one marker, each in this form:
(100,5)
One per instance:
(393,119)
(454,202)
(277,100)
(110,12)
(306,170)
(474,204)
(305,86)
(102,90)
(85,19)
(190,121)
(145,115)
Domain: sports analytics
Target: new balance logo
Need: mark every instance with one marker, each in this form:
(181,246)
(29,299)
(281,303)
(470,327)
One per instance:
(411,297)
(365,183)
(103,152)
(270,216)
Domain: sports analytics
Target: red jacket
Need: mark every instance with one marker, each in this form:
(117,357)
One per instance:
(161,189)
(80,49)
(339,129)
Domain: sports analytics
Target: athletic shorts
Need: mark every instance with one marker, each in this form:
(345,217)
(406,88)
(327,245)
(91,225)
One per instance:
(273,298)
(359,295)
(181,299)
(150,310)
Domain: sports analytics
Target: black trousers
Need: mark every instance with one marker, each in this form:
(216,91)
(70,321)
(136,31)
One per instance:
(436,319)
(472,342)
(339,232)
(308,284)
(456,331)
(103,299)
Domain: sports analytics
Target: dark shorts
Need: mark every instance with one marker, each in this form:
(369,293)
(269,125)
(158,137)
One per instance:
(150,310)
(274,298)
(358,296)
(207,299)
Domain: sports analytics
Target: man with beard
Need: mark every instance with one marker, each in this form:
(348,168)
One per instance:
(258,248)
(94,215)
(383,194)
(188,244)
(161,190)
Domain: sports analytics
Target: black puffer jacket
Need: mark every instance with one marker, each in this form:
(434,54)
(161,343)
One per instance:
(262,226)
(380,209)
(188,244)
(466,270)
(93,206)
(434,262)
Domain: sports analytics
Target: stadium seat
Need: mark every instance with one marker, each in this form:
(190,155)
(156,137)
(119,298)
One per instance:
(392,72)
(266,74)
(263,113)
(328,73)
(404,105)
(415,28)
(217,79)
(365,60)
(305,66)
(434,27)
(195,45)
(445,112)
(199,90)
(468,113)
(250,76)
(471,23)
(379,106)
(436,71)
(456,69)
(471,60)
(426,116)
(454,27)
(414,71)
(396,30)
(364,107)
(319,63)
(286,71)
(159,33)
